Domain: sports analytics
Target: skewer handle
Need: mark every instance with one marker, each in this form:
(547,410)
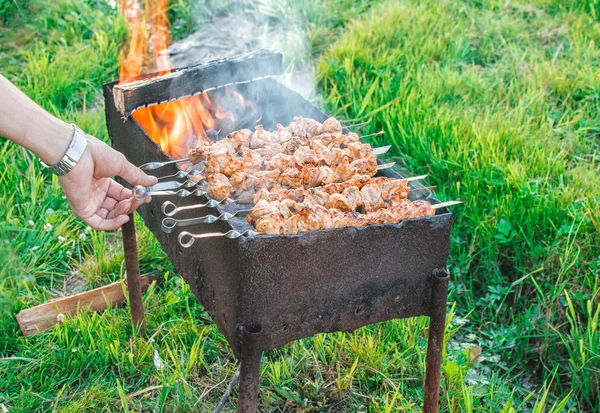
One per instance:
(155,165)
(186,239)
(169,209)
(183,193)
(169,224)
(142,192)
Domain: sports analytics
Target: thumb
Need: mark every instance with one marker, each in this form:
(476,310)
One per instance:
(133,174)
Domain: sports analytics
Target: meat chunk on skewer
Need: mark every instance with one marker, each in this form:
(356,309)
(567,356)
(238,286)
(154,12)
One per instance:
(222,162)
(310,127)
(372,198)
(280,161)
(271,224)
(252,161)
(231,144)
(219,187)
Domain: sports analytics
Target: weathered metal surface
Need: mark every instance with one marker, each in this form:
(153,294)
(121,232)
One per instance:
(134,286)
(192,80)
(250,367)
(435,342)
(295,286)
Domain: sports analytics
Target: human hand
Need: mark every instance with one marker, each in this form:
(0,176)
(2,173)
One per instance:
(97,199)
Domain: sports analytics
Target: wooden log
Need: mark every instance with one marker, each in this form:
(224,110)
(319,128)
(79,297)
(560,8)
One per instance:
(42,317)
(193,80)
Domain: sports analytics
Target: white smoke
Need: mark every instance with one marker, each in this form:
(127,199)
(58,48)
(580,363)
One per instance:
(247,25)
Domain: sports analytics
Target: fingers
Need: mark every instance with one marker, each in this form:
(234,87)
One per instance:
(113,217)
(109,163)
(117,191)
(133,174)
(102,224)
(109,203)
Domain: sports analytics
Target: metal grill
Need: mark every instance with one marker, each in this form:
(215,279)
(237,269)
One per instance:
(267,290)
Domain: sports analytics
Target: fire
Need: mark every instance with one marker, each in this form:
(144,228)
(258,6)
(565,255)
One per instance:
(176,126)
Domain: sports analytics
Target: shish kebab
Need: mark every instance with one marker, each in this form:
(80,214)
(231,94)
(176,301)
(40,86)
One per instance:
(271,143)
(296,165)
(292,218)
(300,127)
(344,153)
(186,239)
(296,176)
(374,194)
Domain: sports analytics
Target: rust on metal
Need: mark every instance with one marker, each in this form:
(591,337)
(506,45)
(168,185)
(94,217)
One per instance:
(295,286)
(249,368)
(134,285)
(435,342)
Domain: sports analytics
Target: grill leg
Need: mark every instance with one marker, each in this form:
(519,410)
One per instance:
(249,370)
(435,343)
(132,266)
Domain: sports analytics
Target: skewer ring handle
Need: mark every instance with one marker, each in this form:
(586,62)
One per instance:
(169,224)
(186,239)
(140,193)
(169,209)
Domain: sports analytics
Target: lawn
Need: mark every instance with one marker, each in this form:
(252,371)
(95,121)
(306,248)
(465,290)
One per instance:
(499,102)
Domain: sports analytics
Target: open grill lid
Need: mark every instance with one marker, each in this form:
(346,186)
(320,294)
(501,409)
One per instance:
(194,80)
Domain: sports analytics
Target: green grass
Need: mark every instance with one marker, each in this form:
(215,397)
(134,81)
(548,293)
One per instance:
(498,102)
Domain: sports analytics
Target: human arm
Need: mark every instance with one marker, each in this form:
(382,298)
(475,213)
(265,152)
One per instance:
(97,199)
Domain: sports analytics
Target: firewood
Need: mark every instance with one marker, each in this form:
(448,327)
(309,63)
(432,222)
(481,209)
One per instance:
(42,317)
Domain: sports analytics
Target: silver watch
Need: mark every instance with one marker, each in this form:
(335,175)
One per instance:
(72,155)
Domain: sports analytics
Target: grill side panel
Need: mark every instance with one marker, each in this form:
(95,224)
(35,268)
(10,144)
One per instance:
(212,273)
(340,280)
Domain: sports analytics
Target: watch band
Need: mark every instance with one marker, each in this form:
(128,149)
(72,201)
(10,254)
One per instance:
(72,154)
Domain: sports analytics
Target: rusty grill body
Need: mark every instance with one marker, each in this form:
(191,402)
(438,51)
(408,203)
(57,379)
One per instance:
(268,290)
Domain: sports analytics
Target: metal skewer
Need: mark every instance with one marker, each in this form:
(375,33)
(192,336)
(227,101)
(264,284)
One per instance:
(183,193)
(385,166)
(415,178)
(183,174)
(186,239)
(373,134)
(140,193)
(169,209)
(155,165)
(169,224)
(197,172)
(446,204)
(229,234)
(381,150)
(163,188)
(357,125)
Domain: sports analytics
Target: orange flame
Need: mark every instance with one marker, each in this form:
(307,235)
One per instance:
(176,126)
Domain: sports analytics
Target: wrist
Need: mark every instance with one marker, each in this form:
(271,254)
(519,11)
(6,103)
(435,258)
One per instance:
(52,145)
(72,154)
